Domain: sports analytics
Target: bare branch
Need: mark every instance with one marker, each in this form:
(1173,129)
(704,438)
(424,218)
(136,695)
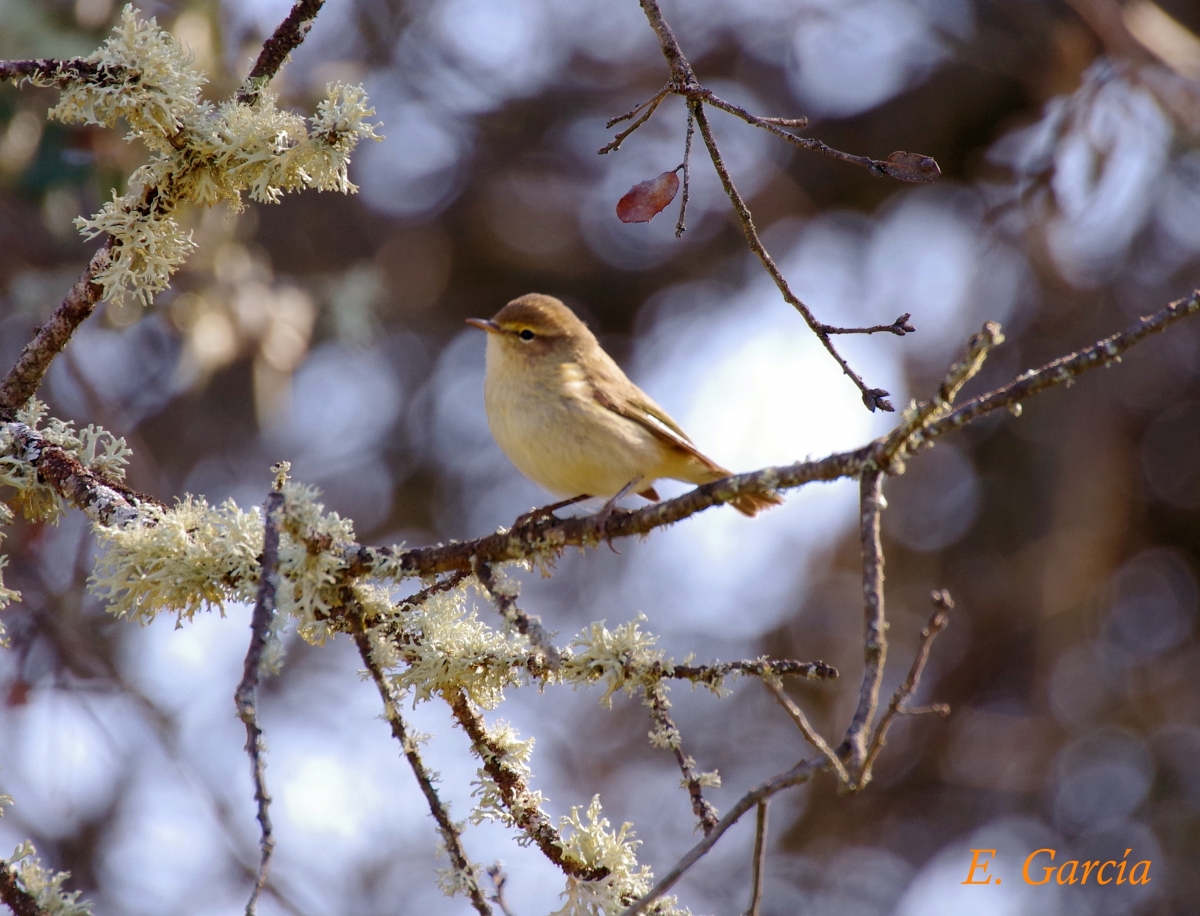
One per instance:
(499,880)
(899,327)
(800,773)
(941,616)
(811,735)
(260,629)
(874,624)
(681,223)
(451,835)
(23,379)
(650,107)
(288,36)
(758,863)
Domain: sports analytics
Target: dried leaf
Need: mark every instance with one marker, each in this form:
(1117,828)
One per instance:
(912,167)
(646,200)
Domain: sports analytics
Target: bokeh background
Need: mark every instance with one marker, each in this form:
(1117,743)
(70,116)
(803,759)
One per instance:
(328,330)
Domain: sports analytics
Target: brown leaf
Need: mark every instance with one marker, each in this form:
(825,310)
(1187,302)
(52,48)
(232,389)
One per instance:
(646,200)
(912,167)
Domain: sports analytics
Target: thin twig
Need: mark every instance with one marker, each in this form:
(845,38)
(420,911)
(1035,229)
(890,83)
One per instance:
(899,327)
(681,224)
(874,398)
(666,733)
(800,773)
(260,630)
(811,735)
(287,37)
(23,379)
(758,863)
(657,97)
(528,625)
(941,616)
(620,138)
(874,624)
(451,835)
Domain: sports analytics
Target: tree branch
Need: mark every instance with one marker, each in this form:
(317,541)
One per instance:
(23,379)
(666,733)
(287,37)
(19,900)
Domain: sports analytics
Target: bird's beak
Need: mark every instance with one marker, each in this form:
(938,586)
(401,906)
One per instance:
(490,326)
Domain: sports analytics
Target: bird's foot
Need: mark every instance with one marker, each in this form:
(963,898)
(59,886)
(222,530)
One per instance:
(609,509)
(547,512)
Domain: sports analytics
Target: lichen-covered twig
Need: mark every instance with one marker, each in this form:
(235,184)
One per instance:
(467,871)
(260,631)
(23,379)
(943,604)
(513,791)
(504,595)
(16,897)
(286,38)
(666,734)
(718,671)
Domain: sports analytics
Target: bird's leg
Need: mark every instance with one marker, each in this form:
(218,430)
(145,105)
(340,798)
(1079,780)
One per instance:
(606,511)
(537,515)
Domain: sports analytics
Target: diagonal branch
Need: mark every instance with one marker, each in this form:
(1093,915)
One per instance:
(941,617)
(15,897)
(23,379)
(666,734)
(287,37)
(451,835)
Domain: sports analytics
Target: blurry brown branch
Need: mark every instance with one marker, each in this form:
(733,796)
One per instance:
(23,379)
(451,835)
(260,632)
(19,900)
(287,37)
(899,327)
(666,733)
(499,880)
(941,616)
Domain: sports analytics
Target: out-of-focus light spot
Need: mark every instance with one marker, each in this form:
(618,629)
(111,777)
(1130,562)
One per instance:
(973,761)
(1169,449)
(1085,681)
(325,795)
(415,170)
(92,14)
(853,56)
(935,502)
(20,141)
(1102,779)
(1153,603)
(415,267)
(505,41)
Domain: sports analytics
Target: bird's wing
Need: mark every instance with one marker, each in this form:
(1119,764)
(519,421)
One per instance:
(634,404)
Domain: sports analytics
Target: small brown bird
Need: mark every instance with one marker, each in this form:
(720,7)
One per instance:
(570,419)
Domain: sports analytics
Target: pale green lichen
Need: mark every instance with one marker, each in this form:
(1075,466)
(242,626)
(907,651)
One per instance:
(45,886)
(596,846)
(94,448)
(447,647)
(200,153)
(183,560)
(622,658)
(505,750)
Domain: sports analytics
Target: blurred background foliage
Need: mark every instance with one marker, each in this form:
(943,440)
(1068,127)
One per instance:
(328,330)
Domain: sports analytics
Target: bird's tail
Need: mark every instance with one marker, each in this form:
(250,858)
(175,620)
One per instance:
(753,503)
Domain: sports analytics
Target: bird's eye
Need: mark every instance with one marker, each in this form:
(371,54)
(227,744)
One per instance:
(526,334)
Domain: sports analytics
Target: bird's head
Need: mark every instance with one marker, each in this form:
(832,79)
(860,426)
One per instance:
(536,325)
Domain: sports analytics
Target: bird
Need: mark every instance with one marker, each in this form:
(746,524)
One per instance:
(571,421)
